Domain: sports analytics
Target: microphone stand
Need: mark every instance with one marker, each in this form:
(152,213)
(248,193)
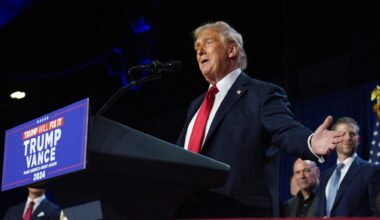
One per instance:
(123,89)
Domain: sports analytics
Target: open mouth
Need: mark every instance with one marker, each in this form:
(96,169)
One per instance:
(204,61)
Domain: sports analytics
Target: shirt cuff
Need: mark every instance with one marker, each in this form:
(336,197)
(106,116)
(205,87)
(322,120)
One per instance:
(320,159)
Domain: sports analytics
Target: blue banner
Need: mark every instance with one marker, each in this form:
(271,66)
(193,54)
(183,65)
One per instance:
(49,146)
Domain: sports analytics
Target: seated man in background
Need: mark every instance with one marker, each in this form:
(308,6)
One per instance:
(306,176)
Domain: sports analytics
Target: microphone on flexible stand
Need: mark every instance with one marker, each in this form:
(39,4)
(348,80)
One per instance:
(148,72)
(155,69)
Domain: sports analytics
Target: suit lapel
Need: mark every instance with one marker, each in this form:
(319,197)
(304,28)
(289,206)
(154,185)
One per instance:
(323,186)
(350,175)
(236,91)
(293,208)
(19,209)
(196,107)
(313,207)
(39,209)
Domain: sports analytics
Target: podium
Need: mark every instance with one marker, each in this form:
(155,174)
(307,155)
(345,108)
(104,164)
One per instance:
(132,175)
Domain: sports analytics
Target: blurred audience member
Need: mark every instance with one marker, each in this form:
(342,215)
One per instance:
(306,178)
(36,207)
(350,187)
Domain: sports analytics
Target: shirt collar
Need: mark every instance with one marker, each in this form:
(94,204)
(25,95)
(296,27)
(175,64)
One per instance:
(300,196)
(225,84)
(37,201)
(348,161)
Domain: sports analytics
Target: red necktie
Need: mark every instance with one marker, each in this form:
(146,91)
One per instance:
(198,132)
(28,213)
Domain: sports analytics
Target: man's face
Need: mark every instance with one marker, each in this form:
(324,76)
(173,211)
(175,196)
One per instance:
(212,55)
(306,175)
(350,141)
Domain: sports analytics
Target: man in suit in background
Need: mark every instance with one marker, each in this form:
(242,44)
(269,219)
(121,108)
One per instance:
(304,203)
(358,181)
(39,207)
(238,124)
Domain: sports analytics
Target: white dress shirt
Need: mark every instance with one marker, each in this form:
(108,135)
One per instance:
(347,163)
(223,86)
(37,201)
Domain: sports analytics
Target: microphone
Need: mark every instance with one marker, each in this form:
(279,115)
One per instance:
(156,67)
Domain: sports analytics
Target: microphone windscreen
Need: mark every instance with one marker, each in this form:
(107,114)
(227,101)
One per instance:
(174,66)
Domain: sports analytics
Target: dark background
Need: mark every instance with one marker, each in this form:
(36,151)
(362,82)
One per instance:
(62,51)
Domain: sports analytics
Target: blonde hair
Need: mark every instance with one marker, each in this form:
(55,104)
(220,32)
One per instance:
(229,34)
(346,120)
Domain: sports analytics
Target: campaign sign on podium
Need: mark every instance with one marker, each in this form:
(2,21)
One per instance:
(46,147)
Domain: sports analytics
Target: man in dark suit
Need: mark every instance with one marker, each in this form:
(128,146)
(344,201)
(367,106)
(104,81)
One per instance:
(247,118)
(42,208)
(304,203)
(359,180)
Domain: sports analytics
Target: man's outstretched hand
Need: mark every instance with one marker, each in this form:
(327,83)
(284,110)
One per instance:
(324,141)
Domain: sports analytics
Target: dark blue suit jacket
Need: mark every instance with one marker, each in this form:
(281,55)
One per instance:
(50,210)
(253,117)
(357,192)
